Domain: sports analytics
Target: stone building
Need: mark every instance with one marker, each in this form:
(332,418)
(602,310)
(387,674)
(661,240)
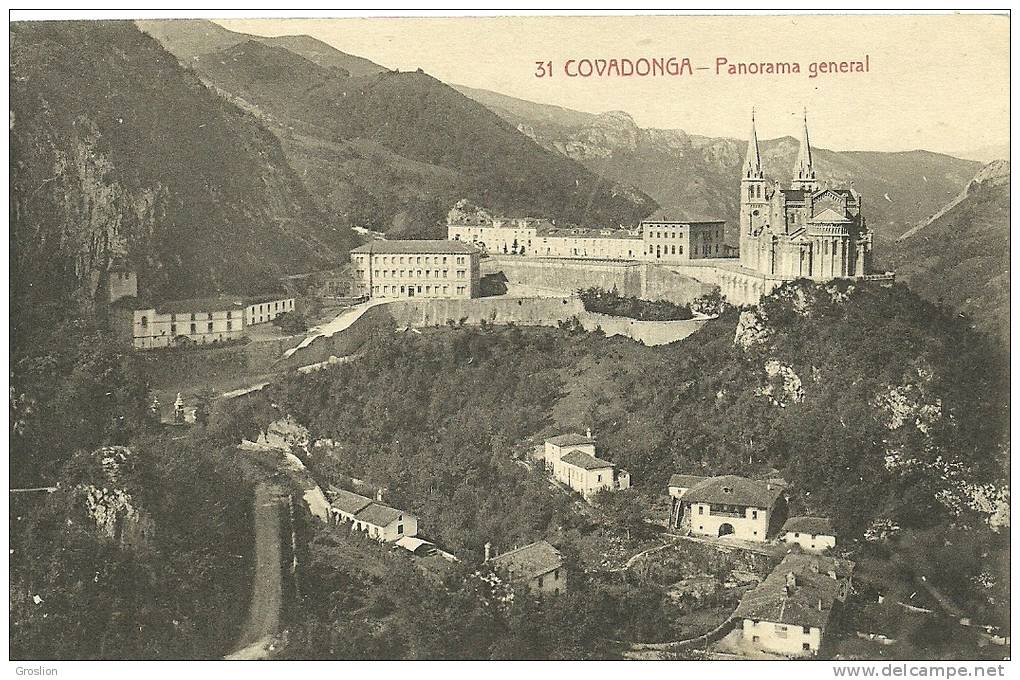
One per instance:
(787,614)
(812,534)
(538,565)
(670,237)
(418,268)
(727,505)
(571,460)
(144,325)
(379,521)
(804,231)
(265,308)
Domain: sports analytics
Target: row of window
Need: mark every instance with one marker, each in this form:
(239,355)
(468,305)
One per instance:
(428,290)
(429,273)
(194,328)
(429,259)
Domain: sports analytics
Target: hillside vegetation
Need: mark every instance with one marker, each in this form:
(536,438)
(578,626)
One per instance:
(871,402)
(961,256)
(393,151)
(117,151)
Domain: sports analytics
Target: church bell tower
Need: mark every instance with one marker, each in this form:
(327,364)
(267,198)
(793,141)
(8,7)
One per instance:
(753,201)
(805,179)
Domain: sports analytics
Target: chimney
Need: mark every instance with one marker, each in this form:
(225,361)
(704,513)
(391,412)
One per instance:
(819,604)
(488,551)
(791,580)
(379,495)
(587,433)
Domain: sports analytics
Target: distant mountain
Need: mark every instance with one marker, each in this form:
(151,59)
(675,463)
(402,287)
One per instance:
(961,254)
(394,151)
(118,152)
(680,170)
(194,37)
(986,154)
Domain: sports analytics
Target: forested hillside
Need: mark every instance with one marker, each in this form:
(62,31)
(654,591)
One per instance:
(873,403)
(117,151)
(394,151)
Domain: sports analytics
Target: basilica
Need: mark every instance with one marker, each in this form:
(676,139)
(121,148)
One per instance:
(804,231)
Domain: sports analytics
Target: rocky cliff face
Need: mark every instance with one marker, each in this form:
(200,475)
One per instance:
(820,349)
(118,152)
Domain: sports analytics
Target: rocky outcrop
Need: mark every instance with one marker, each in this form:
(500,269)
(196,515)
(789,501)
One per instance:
(782,386)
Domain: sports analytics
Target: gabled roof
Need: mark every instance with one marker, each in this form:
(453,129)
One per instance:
(829,215)
(734,490)
(530,561)
(808,525)
(349,502)
(417,246)
(807,603)
(685,481)
(584,460)
(412,544)
(571,439)
(378,515)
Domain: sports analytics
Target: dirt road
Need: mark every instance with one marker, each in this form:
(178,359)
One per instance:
(267,590)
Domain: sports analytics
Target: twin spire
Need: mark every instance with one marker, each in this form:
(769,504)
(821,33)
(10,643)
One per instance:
(805,168)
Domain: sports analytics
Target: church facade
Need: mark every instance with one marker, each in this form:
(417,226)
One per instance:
(804,231)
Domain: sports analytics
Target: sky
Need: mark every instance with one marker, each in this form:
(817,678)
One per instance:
(937,82)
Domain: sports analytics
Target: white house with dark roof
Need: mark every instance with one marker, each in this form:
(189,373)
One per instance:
(379,521)
(571,460)
(726,505)
(788,612)
(538,565)
(813,534)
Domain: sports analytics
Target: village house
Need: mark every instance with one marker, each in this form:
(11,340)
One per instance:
(813,534)
(265,308)
(538,565)
(726,505)
(379,521)
(418,268)
(571,460)
(787,613)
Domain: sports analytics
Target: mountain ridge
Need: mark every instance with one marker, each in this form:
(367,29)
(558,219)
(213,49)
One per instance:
(393,151)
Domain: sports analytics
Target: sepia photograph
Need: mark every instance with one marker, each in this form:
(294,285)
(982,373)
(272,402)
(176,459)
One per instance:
(546,337)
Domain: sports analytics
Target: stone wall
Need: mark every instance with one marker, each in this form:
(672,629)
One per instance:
(543,311)
(568,276)
(648,281)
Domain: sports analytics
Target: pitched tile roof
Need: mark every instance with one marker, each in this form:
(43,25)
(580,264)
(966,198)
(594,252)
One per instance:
(685,481)
(571,439)
(348,501)
(807,603)
(378,515)
(416,246)
(530,561)
(584,460)
(808,525)
(734,490)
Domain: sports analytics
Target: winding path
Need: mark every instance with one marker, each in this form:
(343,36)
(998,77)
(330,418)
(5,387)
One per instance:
(263,621)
